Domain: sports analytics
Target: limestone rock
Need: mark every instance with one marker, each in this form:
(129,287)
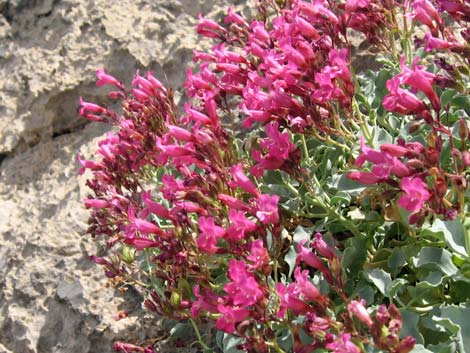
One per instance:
(53,299)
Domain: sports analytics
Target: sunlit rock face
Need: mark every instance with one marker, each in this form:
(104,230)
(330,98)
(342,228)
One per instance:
(52,297)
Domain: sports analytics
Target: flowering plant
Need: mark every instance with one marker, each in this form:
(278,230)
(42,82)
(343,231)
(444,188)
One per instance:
(333,218)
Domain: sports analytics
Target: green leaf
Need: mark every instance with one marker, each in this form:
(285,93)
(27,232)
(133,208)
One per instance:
(341,197)
(419,348)
(228,343)
(290,259)
(302,233)
(354,255)
(459,317)
(447,96)
(381,279)
(341,182)
(436,259)
(410,326)
(461,102)
(452,232)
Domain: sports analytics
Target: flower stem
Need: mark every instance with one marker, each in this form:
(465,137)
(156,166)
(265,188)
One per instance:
(199,337)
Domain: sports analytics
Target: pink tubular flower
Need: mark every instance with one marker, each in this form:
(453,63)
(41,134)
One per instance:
(141,225)
(415,194)
(266,209)
(105,79)
(142,243)
(96,203)
(353,5)
(322,247)
(400,100)
(419,79)
(209,235)
(366,178)
(435,43)
(240,225)
(244,290)
(233,17)
(210,29)
(233,202)
(258,255)
(230,316)
(242,181)
(308,257)
(154,207)
(278,147)
(206,301)
(343,344)
(317,11)
(303,287)
(426,13)
(288,300)
(358,309)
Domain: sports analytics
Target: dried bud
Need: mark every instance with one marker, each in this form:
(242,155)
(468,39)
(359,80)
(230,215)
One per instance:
(463,129)
(440,186)
(414,126)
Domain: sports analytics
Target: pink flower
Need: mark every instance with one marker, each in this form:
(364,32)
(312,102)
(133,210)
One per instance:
(153,207)
(141,225)
(288,300)
(258,255)
(363,177)
(209,234)
(244,290)
(233,202)
(435,43)
(105,79)
(210,29)
(87,107)
(353,5)
(303,286)
(419,79)
(266,209)
(357,308)
(317,11)
(279,149)
(142,243)
(400,100)
(242,181)
(96,203)
(385,163)
(230,316)
(307,256)
(322,247)
(343,344)
(240,225)
(426,13)
(233,17)
(206,301)
(415,194)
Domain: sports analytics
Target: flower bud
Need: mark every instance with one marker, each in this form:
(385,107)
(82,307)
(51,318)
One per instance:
(358,309)
(382,315)
(128,255)
(175,300)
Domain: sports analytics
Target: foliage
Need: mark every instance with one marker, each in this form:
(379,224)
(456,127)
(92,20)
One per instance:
(335,218)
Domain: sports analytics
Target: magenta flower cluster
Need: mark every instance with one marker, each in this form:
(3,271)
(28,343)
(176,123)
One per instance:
(185,209)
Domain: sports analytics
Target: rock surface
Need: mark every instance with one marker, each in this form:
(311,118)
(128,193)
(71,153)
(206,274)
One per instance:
(52,298)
